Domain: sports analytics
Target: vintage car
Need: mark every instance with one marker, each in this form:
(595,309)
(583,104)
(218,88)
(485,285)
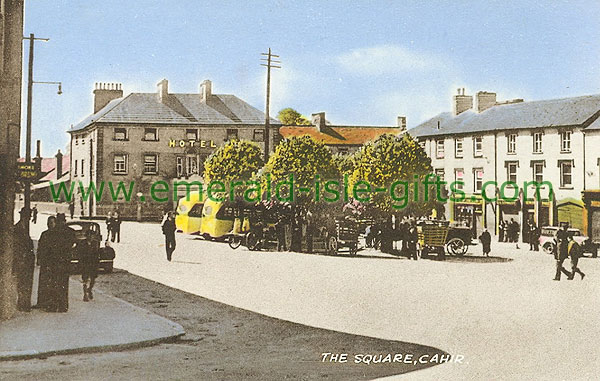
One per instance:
(547,239)
(106,256)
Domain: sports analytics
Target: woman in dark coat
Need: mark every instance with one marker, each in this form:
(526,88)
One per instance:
(486,241)
(45,259)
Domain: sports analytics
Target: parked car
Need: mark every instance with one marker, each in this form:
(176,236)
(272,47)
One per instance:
(547,239)
(106,256)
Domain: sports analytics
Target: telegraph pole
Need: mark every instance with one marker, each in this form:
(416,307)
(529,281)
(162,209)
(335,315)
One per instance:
(32,40)
(271,63)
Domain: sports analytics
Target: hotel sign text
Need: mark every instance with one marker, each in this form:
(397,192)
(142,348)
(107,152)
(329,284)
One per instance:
(192,143)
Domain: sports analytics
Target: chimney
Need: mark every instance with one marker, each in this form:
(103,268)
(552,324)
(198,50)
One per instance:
(104,93)
(59,157)
(37,160)
(206,89)
(318,120)
(163,90)
(461,102)
(485,100)
(402,123)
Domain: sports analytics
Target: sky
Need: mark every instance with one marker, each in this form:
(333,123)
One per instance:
(361,62)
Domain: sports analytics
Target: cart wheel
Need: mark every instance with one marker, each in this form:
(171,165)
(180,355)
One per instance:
(235,241)
(377,243)
(332,245)
(252,241)
(456,246)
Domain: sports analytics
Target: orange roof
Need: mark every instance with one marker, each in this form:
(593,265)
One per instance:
(339,135)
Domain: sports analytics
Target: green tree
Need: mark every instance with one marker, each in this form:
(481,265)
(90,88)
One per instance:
(289,116)
(344,163)
(236,160)
(304,158)
(395,163)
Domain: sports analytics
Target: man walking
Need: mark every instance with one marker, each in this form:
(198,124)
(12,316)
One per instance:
(575,253)
(486,242)
(24,262)
(88,252)
(168,229)
(561,251)
(116,228)
(34,213)
(72,209)
(412,236)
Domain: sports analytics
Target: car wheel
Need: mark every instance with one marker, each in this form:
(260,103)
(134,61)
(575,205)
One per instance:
(548,248)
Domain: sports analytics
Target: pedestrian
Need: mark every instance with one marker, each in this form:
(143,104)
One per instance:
(46,251)
(109,221)
(34,214)
(65,238)
(168,229)
(561,251)
(531,228)
(116,228)
(412,237)
(486,241)
(88,252)
(501,229)
(72,209)
(575,252)
(535,236)
(24,262)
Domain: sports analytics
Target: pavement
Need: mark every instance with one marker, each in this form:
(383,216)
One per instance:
(104,324)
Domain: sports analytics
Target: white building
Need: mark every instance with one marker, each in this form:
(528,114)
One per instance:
(555,141)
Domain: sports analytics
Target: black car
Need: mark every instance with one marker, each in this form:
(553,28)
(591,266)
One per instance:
(107,256)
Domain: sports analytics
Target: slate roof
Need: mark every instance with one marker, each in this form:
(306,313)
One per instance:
(578,111)
(187,109)
(340,135)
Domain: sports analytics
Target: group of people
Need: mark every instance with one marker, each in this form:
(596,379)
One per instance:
(509,231)
(385,234)
(54,253)
(113,226)
(566,247)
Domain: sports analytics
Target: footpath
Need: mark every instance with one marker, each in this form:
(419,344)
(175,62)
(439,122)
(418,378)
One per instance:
(104,324)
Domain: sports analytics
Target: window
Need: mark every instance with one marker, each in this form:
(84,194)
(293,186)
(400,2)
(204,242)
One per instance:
(422,144)
(187,165)
(120,134)
(459,178)
(458,147)
(259,135)
(191,134)
(478,146)
(150,164)
(538,171)
(511,143)
(537,142)
(76,140)
(75,171)
(232,133)
(180,166)
(477,179)
(565,141)
(440,173)
(566,170)
(343,150)
(439,149)
(120,164)
(150,134)
(82,166)
(82,140)
(511,171)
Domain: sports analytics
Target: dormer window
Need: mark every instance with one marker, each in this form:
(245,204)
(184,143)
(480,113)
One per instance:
(150,134)
(120,134)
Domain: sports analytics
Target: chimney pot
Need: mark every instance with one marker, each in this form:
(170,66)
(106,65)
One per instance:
(103,94)
(59,161)
(461,102)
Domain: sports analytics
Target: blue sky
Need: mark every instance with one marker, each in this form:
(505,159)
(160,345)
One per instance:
(362,62)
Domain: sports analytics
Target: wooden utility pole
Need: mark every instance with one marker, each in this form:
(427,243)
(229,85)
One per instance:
(271,63)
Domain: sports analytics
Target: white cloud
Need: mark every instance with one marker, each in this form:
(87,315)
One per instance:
(387,59)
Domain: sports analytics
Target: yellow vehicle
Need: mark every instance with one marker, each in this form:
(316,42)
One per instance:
(189,213)
(217,219)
